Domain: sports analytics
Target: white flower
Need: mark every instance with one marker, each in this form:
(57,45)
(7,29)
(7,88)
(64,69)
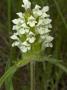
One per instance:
(24,47)
(20,14)
(42,30)
(45,9)
(46,41)
(27,45)
(44,15)
(14,37)
(16,43)
(48,26)
(31,37)
(31,21)
(46,38)
(18,21)
(49,38)
(31,40)
(47,21)
(44,45)
(27,4)
(15,27)
(18,27)
(37,7)
(24,26)
(36,11)
(43,21)
(23,31)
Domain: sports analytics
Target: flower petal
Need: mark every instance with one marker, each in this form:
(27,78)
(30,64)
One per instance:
(27,4)
(31,21)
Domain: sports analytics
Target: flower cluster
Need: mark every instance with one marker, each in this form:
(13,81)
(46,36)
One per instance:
(30,24)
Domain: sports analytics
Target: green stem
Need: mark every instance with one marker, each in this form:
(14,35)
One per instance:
(32,75)
(8,82)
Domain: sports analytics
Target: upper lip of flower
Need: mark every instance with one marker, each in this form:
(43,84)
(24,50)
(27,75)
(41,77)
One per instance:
(27,4)
(31,21)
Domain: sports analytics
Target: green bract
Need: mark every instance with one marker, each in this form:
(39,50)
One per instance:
(32,28)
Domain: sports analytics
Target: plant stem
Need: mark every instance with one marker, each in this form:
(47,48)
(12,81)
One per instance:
(8,82)
(32,75)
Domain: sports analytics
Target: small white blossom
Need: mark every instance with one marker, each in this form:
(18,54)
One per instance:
(31,40)
(24,47)
(45,15)
(46,45)
(36,11)
(16,43)
(46,38)
(48,26)
(27,4)
(31,37)
(47,21)
(37,7)
(18,21)
(15,27)
(14,37)
(49,39)
(23,31)
(43,21)
(42,30)
(20,14)
(46,41)
(31,21)
(45,9)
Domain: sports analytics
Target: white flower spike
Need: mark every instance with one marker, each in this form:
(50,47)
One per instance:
(33,26)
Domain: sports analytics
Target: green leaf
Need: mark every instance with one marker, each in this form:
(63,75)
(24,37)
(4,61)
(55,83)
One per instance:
(54,61)
(12,70)
(60,13)
(22,63)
